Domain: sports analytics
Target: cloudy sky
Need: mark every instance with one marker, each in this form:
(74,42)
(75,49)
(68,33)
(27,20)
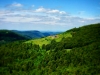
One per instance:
(48,15)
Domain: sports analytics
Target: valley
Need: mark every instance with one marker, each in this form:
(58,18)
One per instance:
(74,52)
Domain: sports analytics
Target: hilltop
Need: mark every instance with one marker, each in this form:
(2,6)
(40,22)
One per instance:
(84,34)
(9,36)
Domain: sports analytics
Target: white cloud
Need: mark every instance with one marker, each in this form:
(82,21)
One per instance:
(41,9)
(49,11)
(15,5)
(53,11)
(43,16)
(20,19)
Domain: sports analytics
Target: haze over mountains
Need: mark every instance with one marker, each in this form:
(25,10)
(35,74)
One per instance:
(35,33)
(15,35)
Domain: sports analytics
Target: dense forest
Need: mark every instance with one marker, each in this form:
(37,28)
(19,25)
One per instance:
(76,55)
(7,36)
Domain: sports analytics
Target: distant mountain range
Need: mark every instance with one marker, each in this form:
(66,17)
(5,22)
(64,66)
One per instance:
(7,36)
(35,34)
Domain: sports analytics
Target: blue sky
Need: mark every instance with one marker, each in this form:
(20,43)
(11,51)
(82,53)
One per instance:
(48,15)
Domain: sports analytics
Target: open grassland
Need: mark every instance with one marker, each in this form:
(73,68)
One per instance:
(47,40)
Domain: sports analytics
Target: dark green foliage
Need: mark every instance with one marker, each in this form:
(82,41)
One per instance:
(83,55)
(17,56)
(7,36)
(78,55)
(43,46)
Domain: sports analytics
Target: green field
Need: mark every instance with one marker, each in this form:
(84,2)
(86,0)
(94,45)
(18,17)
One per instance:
(48,39)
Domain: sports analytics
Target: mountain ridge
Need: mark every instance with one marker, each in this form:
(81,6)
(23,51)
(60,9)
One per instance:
(33,34)
(7,36)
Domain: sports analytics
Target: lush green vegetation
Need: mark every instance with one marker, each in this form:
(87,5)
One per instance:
(47,40)
(74,52)
(9,36)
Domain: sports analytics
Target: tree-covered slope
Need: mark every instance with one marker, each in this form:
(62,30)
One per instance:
(76,54)
(30,34)
(9,36)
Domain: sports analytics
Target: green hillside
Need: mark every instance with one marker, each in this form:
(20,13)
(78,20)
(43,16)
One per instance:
(9,36)
(47,40)
(74,52)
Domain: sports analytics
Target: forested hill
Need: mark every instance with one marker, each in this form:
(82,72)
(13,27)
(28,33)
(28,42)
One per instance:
(9,36)
(84,35)
(74,52)
(30,34)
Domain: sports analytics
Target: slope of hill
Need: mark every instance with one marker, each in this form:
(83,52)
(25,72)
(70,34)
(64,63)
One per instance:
(48,39)
(30,34)
(35,34)
(74,52)
(49,33)
(9,36)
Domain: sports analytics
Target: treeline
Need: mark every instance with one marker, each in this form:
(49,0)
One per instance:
(80,52)
(77,55)
(7,36)
(78,61)
(82,36)
(17,57)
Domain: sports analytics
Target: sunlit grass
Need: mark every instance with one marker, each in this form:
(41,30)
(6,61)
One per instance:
(47,40)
